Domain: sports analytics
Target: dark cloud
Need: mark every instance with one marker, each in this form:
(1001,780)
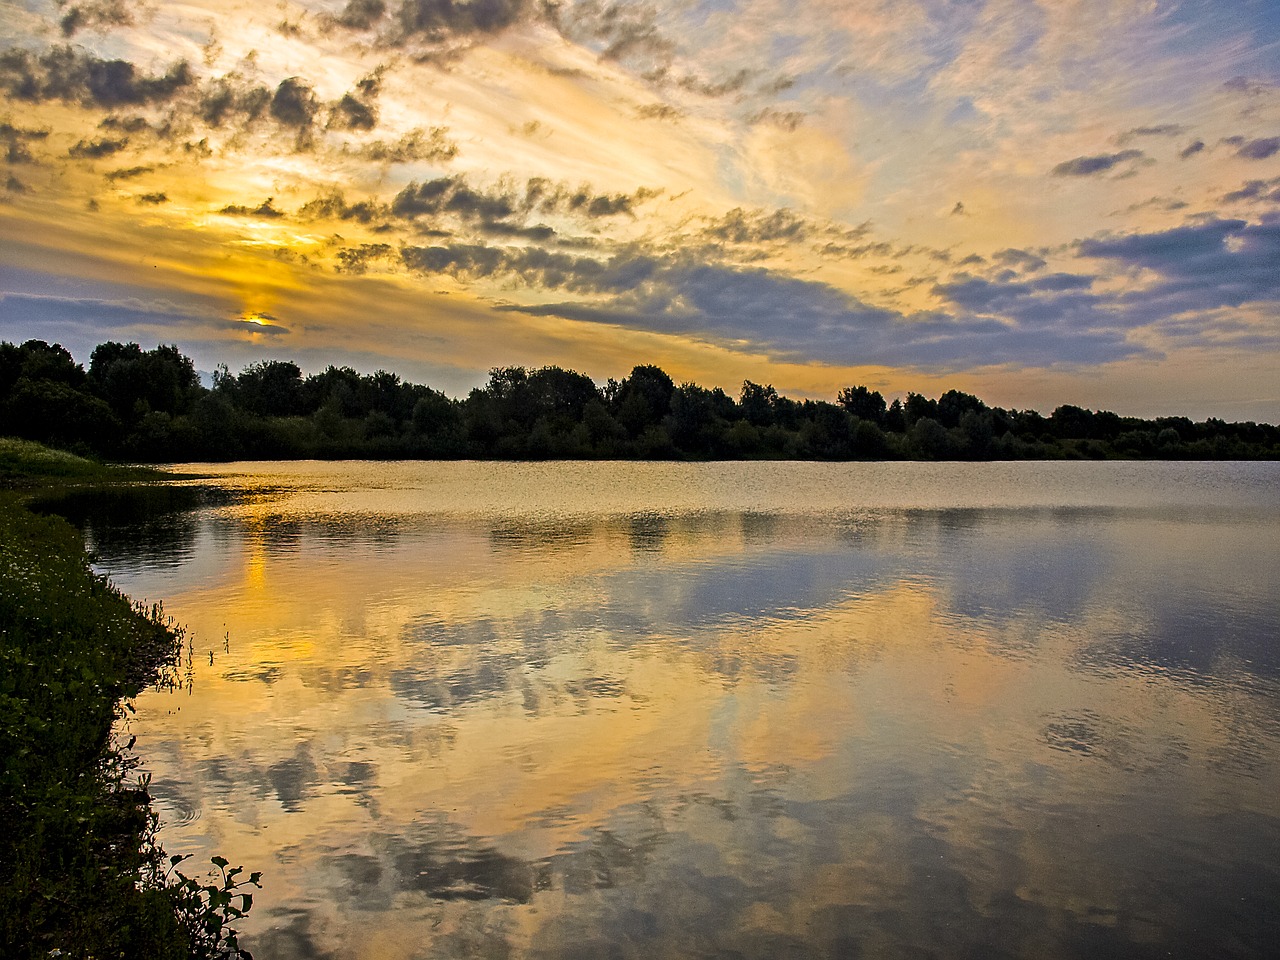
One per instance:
(452,195)
(455,196)
(758,226)
(265,210)
(152,199)
(96,14)
(128,173)
(229,97)
(789,120)
(358,110)
(416,145)
(1090,166)
(357,259)
(16,141)
(790,317)
(1254,191)
(436,20)
(1159,130)
(733,83)
(1202,266)
(362,14)
(1258,149)
(63,73)
(619,31)
(262,323)
(539,232)
(1019,258)
(334,206)
(1248,86)
(13,185)
(1058,299)
(1191,149)
(1168,204)
(352,113)
(658,111)
(125,124)
(958,210)
(294,103)
(857,251)
(94,149)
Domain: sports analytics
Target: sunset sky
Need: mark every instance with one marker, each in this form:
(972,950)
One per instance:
(1063,201)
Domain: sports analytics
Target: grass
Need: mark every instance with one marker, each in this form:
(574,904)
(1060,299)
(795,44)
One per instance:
(81,874)
(24,465)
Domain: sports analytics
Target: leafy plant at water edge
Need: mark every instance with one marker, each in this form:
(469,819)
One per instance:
(206,911)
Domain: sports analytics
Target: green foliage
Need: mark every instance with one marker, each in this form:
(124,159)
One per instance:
(205,911)
(148,406)
(82,873)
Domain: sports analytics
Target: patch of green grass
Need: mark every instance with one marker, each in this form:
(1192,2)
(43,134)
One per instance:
(24,464)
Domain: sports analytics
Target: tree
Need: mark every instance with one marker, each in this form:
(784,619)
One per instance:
(643,399)
(864,404)
(270,388)
(758,403)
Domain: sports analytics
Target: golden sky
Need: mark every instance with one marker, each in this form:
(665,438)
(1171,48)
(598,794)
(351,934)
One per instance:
(1064,201)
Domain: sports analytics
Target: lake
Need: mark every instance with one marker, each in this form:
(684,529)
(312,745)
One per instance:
(746,710)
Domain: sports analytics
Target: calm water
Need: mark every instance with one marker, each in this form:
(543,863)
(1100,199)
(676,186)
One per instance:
(726,710)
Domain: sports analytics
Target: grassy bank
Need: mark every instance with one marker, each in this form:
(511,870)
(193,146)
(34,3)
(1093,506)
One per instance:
(80,872)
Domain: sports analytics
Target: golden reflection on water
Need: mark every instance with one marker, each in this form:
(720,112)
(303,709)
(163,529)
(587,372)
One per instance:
(450,721)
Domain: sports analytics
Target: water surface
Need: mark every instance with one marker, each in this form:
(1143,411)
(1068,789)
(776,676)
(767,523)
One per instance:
(726,710)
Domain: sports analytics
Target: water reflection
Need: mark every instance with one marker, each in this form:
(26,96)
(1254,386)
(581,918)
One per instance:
(472,714)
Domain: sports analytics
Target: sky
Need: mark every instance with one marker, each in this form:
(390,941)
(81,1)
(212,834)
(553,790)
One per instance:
(1063,201)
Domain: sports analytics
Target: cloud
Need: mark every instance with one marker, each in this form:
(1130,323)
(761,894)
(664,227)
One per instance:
(790,317)
(1167,204)
(1089,166)
(96,14)
(1202,266)
(264,210)
(438,20)
(658,111)
(94,149)
(230,96)
(352,113)
(128,173)
(151,199)
(294,103)
(789,120)
(416,145)
(1254,191)
(358,110)
(357,259)
(1259,149)
(259,323)
(63,73)
(455,196)
(758,226)
(1248,86)
(334,206)
(362,14)
(1020,258)
(1159,130)
(620,32)
(1191,149)
(16,142)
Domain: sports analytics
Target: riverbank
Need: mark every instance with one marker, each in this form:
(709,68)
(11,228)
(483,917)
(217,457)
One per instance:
(83,875)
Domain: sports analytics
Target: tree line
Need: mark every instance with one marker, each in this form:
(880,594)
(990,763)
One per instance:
(150,406)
